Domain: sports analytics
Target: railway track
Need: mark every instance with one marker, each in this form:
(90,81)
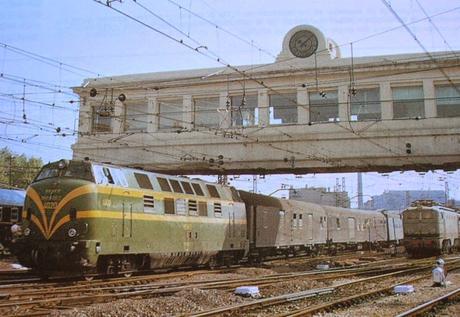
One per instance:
(256,307)
(21,302)
(40,298)
(431,305)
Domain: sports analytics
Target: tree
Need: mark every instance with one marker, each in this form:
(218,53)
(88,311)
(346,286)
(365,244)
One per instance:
(17,170)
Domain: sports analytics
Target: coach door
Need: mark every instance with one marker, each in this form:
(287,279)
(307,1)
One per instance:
(351,228)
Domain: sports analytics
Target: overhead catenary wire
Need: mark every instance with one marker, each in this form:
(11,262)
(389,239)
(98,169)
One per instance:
(47,60)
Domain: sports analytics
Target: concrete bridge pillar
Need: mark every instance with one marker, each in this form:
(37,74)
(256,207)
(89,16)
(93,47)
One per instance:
(188,116)
(153,114)
(430,101)
(264,111)
(343,103)
(303,109)
(386,103)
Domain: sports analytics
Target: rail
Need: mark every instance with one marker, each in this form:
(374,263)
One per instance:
(428,306)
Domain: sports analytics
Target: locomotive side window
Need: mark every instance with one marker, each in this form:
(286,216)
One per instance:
(169,206)
(198,189)
(14,214)
(1,214)
(176,186)
(164,185)
(187,187)
(338,223)
(321,222)
(143,181)
(213,191)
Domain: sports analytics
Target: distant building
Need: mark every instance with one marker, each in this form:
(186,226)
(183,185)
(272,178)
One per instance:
(400,199)
(320,195)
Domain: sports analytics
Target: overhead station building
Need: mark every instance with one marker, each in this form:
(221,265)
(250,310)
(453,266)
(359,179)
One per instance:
(309,111)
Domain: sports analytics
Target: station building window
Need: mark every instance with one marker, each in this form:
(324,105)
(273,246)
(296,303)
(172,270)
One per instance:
(365,105)
(244,111)
(408,102)
(283,108)
(136,115)
(448,101)
(324,107)
(102,119)
(170,114)
(206,114)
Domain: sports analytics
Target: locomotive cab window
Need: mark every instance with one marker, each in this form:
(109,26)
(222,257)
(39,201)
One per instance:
(108,175)
(213,191)
(143,181)
(164,185)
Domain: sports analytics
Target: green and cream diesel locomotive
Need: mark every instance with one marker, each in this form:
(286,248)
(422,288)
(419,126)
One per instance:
(87,218)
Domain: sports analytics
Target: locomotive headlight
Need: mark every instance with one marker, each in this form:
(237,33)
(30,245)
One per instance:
(26,231)
(72,232)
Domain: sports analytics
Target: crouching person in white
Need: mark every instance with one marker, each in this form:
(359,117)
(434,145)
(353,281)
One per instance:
(439,277)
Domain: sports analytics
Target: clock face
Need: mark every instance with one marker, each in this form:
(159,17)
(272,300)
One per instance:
(303,44)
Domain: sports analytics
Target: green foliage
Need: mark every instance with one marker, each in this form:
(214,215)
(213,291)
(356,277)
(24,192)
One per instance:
(17,170)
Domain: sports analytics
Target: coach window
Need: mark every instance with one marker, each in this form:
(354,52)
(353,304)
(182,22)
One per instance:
(338,223)
(408,102)
(14,214)
(244,111)
(187,187)
(365,105)
(283,108)
(176,186)
(197,188)
(169,206)
(136,115)
(164,185)
(206,114)
(170,114)
(324,106)
(143,181)
(448,100)
(213,191)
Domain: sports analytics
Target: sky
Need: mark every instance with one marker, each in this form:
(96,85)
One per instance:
(81,39)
